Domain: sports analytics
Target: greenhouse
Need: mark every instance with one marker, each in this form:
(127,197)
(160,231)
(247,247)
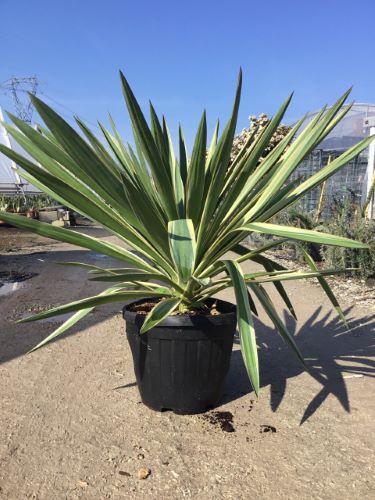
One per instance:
(356,178)
(10,182)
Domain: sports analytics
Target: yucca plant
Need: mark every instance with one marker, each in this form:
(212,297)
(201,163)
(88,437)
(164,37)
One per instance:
(178,216)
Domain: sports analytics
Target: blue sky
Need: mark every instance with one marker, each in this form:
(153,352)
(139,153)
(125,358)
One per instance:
(185,56)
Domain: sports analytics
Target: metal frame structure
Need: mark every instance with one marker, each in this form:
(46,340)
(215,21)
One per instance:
(357,177)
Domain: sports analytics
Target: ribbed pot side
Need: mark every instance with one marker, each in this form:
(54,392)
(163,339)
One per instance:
(181,364)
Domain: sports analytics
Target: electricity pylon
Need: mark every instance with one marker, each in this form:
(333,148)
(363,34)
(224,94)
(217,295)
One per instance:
(17,88)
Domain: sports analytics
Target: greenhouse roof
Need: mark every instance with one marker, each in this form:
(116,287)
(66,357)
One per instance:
(350,130)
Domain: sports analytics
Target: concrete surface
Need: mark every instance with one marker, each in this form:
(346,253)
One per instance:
(72,425)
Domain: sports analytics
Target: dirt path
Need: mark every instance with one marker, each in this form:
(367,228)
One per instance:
(72,425)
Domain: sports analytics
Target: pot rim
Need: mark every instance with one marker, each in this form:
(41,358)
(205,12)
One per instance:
(227,316)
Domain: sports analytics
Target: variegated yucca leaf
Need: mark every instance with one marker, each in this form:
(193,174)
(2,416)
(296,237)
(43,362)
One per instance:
(176,214)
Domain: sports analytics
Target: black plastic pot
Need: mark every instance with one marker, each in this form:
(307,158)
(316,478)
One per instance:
(181,364)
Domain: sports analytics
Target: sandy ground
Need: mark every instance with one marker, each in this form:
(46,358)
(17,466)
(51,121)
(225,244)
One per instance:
(72,425)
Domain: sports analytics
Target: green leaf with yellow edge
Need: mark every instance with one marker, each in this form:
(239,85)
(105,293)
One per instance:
(182,245)
(295,233)
(160,311)
(245,323)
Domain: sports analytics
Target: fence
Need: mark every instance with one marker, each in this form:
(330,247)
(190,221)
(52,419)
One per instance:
(351,179)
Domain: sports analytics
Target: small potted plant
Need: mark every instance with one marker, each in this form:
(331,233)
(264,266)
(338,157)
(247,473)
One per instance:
(31,209)
(176,218)
(5,206)
(19,205)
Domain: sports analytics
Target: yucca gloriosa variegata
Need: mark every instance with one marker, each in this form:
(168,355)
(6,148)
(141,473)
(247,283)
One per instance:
(177,217)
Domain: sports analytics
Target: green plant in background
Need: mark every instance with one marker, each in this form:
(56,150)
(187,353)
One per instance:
(346,221)
(15,203)
(39,201)
(177,216)
(18,203)
(5,204)
(295,216)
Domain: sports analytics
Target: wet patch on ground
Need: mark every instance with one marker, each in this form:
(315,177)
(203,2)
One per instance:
(12,281)
(15,276)
(222,419)
(267,428)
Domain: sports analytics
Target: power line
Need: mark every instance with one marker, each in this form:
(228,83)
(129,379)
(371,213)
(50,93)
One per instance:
(68,109)
(15,87)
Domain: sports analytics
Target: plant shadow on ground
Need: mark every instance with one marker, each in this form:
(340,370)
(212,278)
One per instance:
(331,352)
(17,339)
